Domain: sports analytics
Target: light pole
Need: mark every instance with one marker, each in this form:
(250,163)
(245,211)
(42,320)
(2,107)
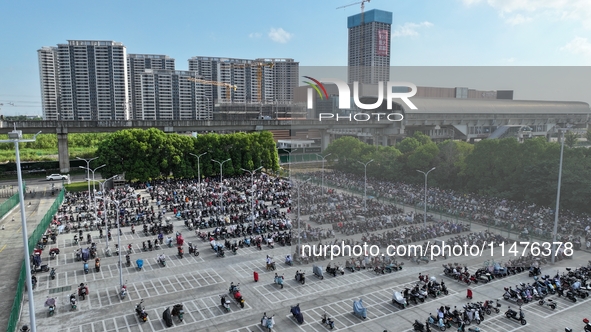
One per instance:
(289,156)
(198,168)
(102,184)
(15,137)
(92,170)
(87,173)
(299,231)
(365,185)
(555,230)
(426,174)
(252,193)
(117,203)
(221,180)
(323,160)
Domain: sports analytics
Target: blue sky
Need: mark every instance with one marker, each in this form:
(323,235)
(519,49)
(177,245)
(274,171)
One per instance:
(424,33)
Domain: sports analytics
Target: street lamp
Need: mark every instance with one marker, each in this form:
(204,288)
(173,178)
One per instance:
(252,193)
(87,173)
(365,185)
(221,180)
(426,174)
(92,170)
(289,156)
(555,230)
(117,203)
(16,136)
(102,184)
(299,231)
(323,160)
(198,168)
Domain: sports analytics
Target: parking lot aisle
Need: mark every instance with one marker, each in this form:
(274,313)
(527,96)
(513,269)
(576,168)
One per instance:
(252,328)
(196,311)
(293,289)
(500,323)
(378,305)
(562,304)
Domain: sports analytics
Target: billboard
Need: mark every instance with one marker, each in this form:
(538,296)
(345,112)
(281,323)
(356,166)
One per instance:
(382,45)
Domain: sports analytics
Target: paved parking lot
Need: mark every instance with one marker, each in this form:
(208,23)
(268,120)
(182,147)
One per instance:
(197,283)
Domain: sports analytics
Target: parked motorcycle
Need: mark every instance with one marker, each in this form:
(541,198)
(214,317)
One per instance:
(279,280)
(162,260)
(518,316)
(73,302)
(141,312)
(359,310)
(123,292)
(300,276)
(436,322)
(327,321)
(50,303)
(297,314)
(225,302)
(235,291)
(85,268)
(177,310)
(268,322)
(82,291)
(399,300)
(548,303)
(52,273)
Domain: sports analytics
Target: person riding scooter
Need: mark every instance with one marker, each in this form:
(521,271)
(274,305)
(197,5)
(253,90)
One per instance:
(97,264)
(162,259)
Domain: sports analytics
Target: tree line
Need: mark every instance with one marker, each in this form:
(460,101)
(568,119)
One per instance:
(501,168)
(152,154)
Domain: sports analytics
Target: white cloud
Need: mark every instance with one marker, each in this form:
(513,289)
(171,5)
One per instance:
(578,45)
(255,35)
(280,35)
(410,29)
(518,19)
(578,10)
(509,60)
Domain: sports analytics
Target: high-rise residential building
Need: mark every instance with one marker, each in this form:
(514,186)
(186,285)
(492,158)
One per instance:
(48,77)
(136,64)
(171,95)
(92,79)
(285,79)
(258,81)
(369,46)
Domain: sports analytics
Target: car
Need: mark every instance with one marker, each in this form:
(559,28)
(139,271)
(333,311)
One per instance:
(56,177)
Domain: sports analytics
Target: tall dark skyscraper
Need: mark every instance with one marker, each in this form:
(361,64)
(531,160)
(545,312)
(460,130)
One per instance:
(369,46)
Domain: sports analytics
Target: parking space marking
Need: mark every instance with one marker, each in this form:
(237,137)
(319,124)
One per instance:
(342,313)
(313,284)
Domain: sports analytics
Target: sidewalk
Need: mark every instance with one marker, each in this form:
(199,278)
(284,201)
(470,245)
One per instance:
(11,247)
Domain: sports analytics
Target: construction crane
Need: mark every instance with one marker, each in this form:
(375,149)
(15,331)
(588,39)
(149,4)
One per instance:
(260,66)
(361,56)
(226,85)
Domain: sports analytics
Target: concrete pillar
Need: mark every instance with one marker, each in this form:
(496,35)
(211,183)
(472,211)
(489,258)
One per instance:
(324,139)
(62,150)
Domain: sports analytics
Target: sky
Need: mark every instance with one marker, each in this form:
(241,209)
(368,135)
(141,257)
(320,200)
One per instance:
(424,33)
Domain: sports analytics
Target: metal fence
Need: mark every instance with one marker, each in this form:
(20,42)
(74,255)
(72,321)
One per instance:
(10,203)
(33,240)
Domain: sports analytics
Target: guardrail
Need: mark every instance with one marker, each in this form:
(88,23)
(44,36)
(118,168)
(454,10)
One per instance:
(10,203)
(33,240)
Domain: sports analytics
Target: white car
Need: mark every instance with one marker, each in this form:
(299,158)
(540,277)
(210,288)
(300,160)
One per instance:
(56,177)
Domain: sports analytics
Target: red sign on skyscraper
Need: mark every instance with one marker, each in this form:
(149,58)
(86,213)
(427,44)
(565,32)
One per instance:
(382,45)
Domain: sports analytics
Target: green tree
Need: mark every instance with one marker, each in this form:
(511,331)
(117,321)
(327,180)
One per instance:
(422,158)
(408,145)
(571,139)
